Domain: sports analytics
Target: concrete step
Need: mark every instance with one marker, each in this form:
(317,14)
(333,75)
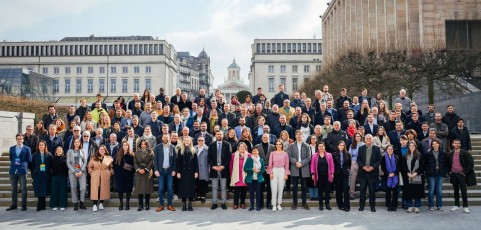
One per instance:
(286,203)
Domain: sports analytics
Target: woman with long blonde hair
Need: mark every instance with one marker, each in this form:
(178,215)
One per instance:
(238,175)
(187,168)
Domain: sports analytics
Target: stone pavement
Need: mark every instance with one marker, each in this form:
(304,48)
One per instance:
(204,218)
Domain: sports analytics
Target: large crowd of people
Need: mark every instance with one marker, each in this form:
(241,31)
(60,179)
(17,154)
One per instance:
(265,147)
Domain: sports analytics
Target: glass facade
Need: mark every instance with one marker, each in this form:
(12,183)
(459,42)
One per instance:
(26,84)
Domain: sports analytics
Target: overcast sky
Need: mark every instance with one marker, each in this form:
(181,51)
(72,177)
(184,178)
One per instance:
(225,28)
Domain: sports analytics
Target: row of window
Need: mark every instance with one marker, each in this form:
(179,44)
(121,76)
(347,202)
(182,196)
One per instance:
(90,70)
(282,68)
(101,85)
(80,50)
(283,80)
(307,48)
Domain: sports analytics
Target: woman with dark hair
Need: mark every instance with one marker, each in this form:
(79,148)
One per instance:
(121,99)
(390,165)
(413,170)
(313,195)
(322,173)
(100,169)
(124,174)
(40,169)
(255,168)
(77,165)
(144,182)
(187,168)
(342,165)
(278,170)
(58,195)
(246,138)
(145,97)
(40,130)
(305,126)
(412,135)
(357,142)
(436,169)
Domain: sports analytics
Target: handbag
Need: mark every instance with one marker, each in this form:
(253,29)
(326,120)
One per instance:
(128,167)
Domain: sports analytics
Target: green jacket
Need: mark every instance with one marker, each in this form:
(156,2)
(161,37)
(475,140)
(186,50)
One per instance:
(248,169)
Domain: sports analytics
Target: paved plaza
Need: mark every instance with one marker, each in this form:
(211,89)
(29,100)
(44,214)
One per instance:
(204,218)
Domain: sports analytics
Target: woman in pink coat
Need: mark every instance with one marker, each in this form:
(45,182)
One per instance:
(322,172)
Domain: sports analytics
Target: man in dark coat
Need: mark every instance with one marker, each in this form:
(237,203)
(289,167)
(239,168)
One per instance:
(334,137)
(164,170)
(369,159)
(280,97)
(219,155)
(462,133)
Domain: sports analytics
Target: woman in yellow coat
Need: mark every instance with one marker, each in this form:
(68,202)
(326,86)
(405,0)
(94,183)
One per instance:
(100,169)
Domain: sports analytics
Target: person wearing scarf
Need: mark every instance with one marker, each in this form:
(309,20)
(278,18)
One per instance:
(351,129)
(306,128)
(255,168)
(390,167)
(413,169)
(238,175)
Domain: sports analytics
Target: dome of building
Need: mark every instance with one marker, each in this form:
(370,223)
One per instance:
(234,65)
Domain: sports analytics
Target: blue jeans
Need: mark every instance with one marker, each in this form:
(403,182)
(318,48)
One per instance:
(417,202)
(435,185)
(313,193)
(165,176)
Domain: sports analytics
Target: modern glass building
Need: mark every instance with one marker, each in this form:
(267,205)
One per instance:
(26,84)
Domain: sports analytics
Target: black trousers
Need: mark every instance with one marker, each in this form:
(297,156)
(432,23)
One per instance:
(41,204)
(366,181)
(240,191)
(266,187)
(255,191)
(295,186)
(201,187)
(324,189)
(459,182)
(391,197)
(341,182)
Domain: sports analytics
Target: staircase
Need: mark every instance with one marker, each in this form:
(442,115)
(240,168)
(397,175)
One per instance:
(474,193)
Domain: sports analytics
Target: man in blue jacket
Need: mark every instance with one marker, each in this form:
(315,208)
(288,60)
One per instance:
(164,165)
(20,156)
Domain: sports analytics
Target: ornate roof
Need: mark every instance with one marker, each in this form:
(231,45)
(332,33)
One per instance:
(234,65)
(234,85)
(203,54)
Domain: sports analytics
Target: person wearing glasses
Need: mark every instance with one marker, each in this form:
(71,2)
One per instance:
(278,170)
(202,181)
(77,166)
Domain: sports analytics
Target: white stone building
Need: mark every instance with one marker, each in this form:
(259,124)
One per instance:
(233,83)
(85,66)
(291,62)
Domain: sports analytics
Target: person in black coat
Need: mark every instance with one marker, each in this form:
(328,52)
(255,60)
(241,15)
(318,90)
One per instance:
(435,165)
(124,173)
(40,169)
(461,175)
(187,168)
(219,161)
(334,137)
(280,97)
(412,169)
(59,173)
(390,165)
(462,133)
(368,171)
(342,165)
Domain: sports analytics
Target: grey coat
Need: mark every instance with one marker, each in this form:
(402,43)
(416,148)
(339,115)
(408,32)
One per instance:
(293,153)
(203,163)
(71,161)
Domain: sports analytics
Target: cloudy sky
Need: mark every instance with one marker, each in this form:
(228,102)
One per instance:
(225,28)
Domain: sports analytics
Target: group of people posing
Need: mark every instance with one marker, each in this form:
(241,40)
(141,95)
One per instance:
(323,144)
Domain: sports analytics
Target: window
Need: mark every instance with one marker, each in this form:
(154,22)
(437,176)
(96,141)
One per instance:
(79,85)
(125,69)
(91,70)
(306,69)
(283,68)
(113,85)
(56,70)
(136,85)
(44,70)
(90,85)
(125,84)
(79,70)
(271,84)
(101,85)
(113,69)
(463,34)
(306,80)
(294,68)
(102,70)
(271,69)
(136,69)
(67,70)
(148,69)
(318,68)
(67,86)
(294,84)
(148,84)
(55,86)
(283,82)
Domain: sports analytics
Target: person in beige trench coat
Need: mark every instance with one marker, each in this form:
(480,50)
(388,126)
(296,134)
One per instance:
(100,169)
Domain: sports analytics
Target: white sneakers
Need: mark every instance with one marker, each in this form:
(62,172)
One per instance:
(456,208)
(416,210)
(274,208)
(94,208)
(466,210)
(62,209)
(55,209)
(410,209)
(101,206)
(279,207)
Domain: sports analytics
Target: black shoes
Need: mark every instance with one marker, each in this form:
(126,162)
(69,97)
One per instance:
(214,206)
(127,206)
(251,208)
(184,207)
(361,208)
(328,207)
(373,209)
(347,209)
(189,207)
(24,207)
(202,199)
(121,207)
(82,206)
(224,206)
(12,207)
(75,206)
